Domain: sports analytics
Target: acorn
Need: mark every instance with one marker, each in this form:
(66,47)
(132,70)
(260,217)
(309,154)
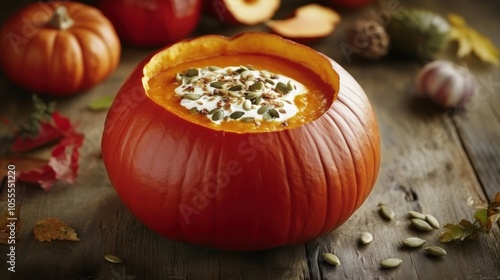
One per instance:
(418,32)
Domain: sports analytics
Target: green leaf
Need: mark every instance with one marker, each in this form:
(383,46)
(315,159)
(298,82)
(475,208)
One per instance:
(458,232)
(101,103)
(481,216)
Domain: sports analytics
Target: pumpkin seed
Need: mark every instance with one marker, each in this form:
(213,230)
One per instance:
(214,110)
(435,251)
(236,115)
(245,74)
(265,74)
(192,72)
(214,68)
(247,119)
(421,225)
(416,215)
(247,105)
(254,94)
(258,100)
(431,220)
(413,242)
(391,263)
(218,115)
(192,96)
(217,84)
(256,86)
(178,78)
(386,212)
(269,81)
(193,110)
(365,238)
(289,86)
(274,113)
(264,109)
(236,88)
(331,259)
(193,80)
(281,87)
(234,94)
(267,116)
(113,259)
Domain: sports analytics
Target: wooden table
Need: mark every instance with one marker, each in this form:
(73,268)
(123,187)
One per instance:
(433,160)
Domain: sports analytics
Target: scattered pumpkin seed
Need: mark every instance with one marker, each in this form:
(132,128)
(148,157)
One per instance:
(421,225)
(386,212)
(365,238)
(265,74)
(254,94)
(391,263)
(281,87)
(431,220)
(264,109)
(247,105)
(435,251)
(416,215)
(274,113)
(256,86)
(236,115)
(236,88)
(331,259)
(193,110)
(218,115)
(214,68)
(192,96)
(113,259)
(247,119)
(217,84)
(269,81)
(191,72)
(413,242)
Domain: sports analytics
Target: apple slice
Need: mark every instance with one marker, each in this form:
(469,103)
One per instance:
(247,12)
(309,23)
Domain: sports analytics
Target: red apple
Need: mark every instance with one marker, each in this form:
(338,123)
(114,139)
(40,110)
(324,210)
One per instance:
(247,12)
(151,23)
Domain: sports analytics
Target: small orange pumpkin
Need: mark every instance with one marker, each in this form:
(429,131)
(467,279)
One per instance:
(58,48)
(241,190)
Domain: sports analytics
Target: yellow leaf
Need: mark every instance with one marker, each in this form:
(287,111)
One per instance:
(53,229)
(471,41)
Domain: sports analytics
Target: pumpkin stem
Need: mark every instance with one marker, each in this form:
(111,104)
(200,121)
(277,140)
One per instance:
(60,19)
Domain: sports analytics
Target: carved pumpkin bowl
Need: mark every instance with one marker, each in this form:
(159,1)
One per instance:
(242,143)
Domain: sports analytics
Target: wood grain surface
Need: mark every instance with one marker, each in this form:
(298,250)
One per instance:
(433,161)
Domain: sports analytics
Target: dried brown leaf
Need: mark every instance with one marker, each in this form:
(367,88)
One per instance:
(53,229)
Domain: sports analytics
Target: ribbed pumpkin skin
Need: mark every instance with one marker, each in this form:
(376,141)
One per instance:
(58,62)
(241,191)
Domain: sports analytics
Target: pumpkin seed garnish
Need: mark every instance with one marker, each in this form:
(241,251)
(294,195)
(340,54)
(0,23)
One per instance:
(365,238)
(214,110)
(431,220)
(193,110)
(113,259)
(265,74)
(264,109)
(269,81)
(218,115)
(386,212)
(435,251)
(289,86)
(247,119)
(331,259)
(416,215)
(236,115)
(258,100)
(192,96)
(274,113)
(391,263)
(234,94)
(256,86)
(421,225)
(247,105)
(254,94)
(281,87)
(192,72)
(214,68)
(413,242)
(267,116)
(217,84)
(236,88)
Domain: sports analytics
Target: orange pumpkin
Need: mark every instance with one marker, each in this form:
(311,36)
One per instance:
(241,190)
(58,48)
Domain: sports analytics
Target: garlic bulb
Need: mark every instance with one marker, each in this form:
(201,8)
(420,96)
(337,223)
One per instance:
(446,83)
